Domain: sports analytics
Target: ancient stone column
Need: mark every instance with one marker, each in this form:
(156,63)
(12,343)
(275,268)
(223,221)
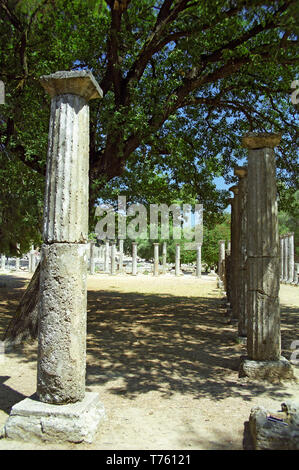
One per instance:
(221,260)
(91,258)
(164,256)
(291,257)
(63,412)
(134,258)
(281,258)
(106,257)
(3,260)
(177,259)
(235,243)
(263,332)
(285,258)
(32,260)
(156,259)
(121,256)
(241,276)
(62,325)
(198,260)
(113,260)
(296,274)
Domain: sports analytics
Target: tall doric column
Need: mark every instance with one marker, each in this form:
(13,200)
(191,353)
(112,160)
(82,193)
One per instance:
(285,258)
(32,260)
(241,277)
(291,258)
(281,258)
(263,334)
(156,259)
(177,259)
(164,256)
(63,411)
(134,258)
(221,261)
(198,260)
(235,243)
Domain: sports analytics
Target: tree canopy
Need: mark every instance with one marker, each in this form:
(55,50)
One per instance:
(182,80)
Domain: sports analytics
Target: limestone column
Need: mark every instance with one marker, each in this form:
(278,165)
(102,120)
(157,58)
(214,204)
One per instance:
(156,259)
(221,259)
(32,260)
(113,261)
(281,258)
(134,258)
(121,256)
(164,256)
(291,258)
(177,259)
(241,276)
(235,243)
(296,274)
(198,260)
(62,325)
(91,258)
(263,332)
(106,257)
(285,258)
(63,411)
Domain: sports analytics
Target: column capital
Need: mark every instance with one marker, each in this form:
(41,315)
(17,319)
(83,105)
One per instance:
(240,171)
(77,82)
(234,189)
(257,140)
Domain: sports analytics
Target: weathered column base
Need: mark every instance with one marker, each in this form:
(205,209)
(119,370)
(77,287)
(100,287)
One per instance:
(272,371)
(34,421)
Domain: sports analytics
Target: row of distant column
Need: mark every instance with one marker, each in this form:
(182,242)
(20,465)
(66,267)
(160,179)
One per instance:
(250,268)
(32,261)
(113,263)
(289,270)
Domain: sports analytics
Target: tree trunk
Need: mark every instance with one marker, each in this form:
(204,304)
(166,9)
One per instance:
(24,324)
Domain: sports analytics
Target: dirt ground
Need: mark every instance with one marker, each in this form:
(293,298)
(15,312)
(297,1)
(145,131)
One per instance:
(164,359)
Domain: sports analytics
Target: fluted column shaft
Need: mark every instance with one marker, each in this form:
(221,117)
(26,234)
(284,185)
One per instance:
(63,299)
(241,277)
(291,258)
(263,338)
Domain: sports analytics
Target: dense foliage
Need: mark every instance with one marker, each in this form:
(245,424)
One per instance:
(183,80)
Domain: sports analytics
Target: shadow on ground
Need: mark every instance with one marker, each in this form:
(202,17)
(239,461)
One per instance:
(161,343)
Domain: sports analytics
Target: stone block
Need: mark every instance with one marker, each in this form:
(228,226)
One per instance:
(33,421)
(272,371)
(275,434)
